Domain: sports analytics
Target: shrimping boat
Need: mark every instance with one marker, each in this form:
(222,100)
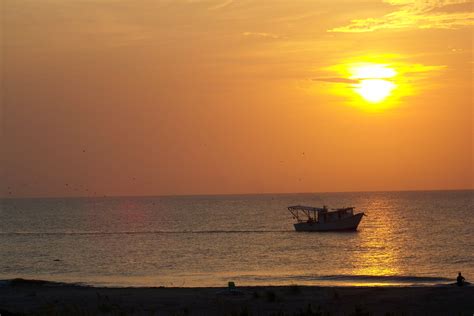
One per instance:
(317,219)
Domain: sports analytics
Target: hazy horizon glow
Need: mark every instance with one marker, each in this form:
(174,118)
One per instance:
(121,97)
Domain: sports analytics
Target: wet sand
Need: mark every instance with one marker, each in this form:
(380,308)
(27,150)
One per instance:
(19,297)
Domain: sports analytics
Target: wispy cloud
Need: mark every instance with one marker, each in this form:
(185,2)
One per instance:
(403,71)
(435,14)
(455,7)
(221,5)
(210,4)
(262,35)
(336,80)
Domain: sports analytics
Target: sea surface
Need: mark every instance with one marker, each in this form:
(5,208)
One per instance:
(407,238)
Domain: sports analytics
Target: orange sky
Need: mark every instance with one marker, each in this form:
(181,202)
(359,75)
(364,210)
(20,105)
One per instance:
(141,97)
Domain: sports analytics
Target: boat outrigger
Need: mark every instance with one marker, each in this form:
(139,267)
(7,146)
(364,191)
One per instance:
(313,219)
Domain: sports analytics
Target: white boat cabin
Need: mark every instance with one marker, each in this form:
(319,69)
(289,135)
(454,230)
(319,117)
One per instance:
(309,214)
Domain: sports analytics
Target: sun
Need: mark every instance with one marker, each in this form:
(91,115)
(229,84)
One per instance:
(372,81)
(374,90)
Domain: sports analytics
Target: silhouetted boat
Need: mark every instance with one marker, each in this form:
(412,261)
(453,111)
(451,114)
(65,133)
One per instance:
(314,219)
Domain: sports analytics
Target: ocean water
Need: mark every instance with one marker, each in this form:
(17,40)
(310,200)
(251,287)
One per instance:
(407,238)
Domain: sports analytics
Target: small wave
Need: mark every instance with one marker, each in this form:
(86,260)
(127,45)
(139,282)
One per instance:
(350,279)
(151,232)
(239,231)
(385,278)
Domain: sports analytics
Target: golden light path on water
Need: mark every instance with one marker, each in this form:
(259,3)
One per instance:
(379,255)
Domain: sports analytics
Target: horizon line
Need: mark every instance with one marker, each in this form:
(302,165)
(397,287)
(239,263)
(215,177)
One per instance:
(225,194)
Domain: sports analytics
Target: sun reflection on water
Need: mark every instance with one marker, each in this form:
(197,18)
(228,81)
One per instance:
(379,251)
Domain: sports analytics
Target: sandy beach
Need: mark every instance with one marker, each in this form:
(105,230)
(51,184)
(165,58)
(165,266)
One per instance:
(19,297)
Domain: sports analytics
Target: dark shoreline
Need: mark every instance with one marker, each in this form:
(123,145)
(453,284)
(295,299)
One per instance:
(24,297)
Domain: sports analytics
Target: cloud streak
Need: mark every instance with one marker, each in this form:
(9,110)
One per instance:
(433,14)
(405,72)
(221,5)
(337,80)
(261,35)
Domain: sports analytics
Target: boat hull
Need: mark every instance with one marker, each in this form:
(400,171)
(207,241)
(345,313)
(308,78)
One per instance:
(346,224)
